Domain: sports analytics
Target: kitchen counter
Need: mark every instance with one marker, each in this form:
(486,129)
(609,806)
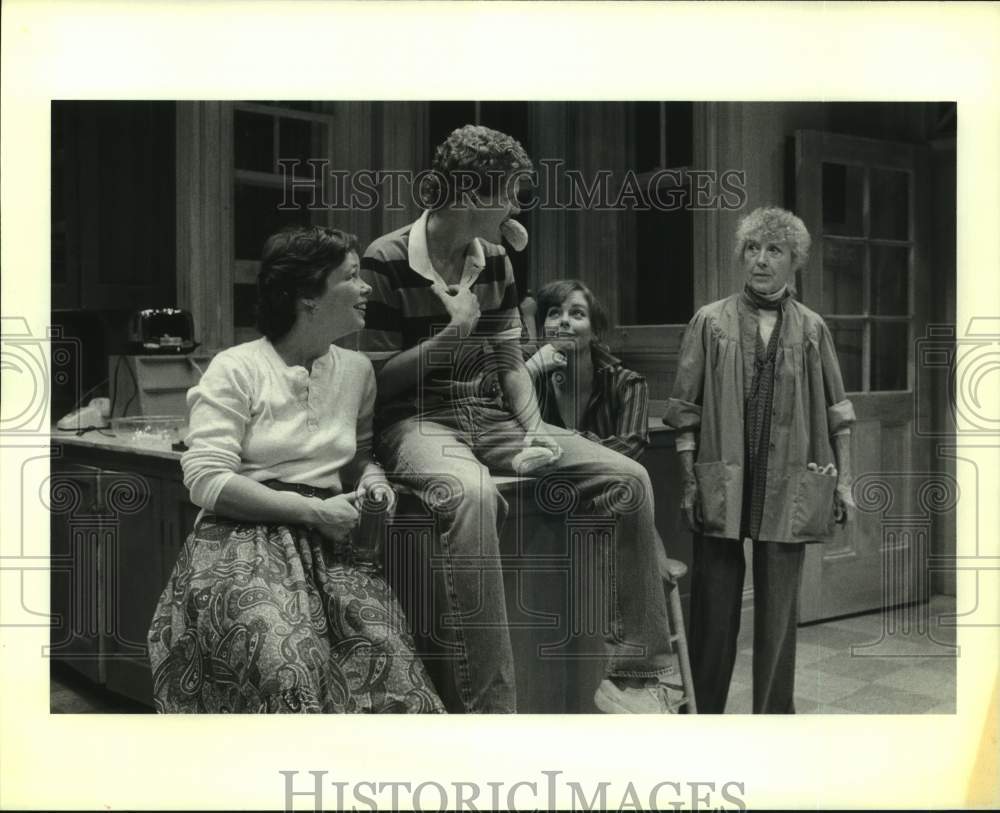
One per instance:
(106,440)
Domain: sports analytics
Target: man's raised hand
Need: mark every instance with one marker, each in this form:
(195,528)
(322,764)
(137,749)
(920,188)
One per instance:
(462,306)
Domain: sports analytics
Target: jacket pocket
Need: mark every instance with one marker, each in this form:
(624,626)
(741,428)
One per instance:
(720,493)
(812,517)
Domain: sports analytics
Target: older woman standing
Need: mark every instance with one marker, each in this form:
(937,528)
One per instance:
(764,440)
(267,609)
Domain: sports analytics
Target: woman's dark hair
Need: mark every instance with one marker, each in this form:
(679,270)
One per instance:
(476,159)
(295,265)
(553,294)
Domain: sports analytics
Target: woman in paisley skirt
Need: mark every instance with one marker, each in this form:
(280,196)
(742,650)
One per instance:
(271,606)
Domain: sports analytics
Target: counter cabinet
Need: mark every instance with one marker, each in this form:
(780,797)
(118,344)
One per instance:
(120,516)
(117,524)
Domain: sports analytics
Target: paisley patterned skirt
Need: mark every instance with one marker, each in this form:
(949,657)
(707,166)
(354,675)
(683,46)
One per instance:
(275,618)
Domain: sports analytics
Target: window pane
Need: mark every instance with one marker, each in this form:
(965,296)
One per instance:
(295,142)
(253,141)
(842,199)
(244,305)
(257,216)
(521,260)
(890,203)
(843,275)
(305,107)
(848,338)
(890,278)
(664,284)
(680,133)
(511,118)
(446,116)
(647,136)
(889,355)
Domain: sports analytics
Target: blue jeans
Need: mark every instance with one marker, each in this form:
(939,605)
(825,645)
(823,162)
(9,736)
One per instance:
(445,457)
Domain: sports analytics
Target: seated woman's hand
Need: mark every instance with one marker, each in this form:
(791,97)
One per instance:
(546,360)
(375,488)
(540,450)
(337,516)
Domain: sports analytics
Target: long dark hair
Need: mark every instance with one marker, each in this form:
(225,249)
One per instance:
(295,265)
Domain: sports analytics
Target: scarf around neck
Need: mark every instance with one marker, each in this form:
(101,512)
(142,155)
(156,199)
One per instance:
(768,302)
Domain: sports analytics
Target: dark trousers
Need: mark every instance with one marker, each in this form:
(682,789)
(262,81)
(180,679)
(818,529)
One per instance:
(716,596)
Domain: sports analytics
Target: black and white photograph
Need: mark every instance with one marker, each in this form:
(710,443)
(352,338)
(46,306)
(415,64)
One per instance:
(636,272)
(493,400)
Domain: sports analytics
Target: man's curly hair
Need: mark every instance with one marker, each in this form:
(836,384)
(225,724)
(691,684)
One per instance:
(473,159)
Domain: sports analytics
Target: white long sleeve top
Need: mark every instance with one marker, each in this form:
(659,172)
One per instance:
(254,415)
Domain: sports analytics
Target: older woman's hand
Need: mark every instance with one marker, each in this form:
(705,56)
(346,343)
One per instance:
(337,516)
(843,502)
(691,505)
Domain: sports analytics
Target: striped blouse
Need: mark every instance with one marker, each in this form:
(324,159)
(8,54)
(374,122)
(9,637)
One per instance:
(617,414)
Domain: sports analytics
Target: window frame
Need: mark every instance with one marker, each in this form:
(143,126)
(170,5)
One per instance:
(323,144)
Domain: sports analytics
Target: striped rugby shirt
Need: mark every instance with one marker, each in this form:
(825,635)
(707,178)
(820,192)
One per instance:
(403,311)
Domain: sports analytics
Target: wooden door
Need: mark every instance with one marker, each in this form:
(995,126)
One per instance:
(863,202)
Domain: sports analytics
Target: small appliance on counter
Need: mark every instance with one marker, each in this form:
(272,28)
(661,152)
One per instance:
(161,331)
(158,366)
(153,384)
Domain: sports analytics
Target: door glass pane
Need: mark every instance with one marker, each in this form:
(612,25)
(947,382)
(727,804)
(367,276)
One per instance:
(889,355)
(890,278)
(842,199)
(253,141)
(890,203)
(848,338)
(843,269)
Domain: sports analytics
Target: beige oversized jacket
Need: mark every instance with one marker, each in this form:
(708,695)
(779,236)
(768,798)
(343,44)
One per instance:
(810,405)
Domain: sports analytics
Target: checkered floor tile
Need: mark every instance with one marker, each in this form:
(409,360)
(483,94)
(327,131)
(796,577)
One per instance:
(899,661)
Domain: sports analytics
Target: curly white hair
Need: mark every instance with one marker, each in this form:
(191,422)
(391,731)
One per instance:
(773,223)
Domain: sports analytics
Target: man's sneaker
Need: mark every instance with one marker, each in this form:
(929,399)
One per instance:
(636,696)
